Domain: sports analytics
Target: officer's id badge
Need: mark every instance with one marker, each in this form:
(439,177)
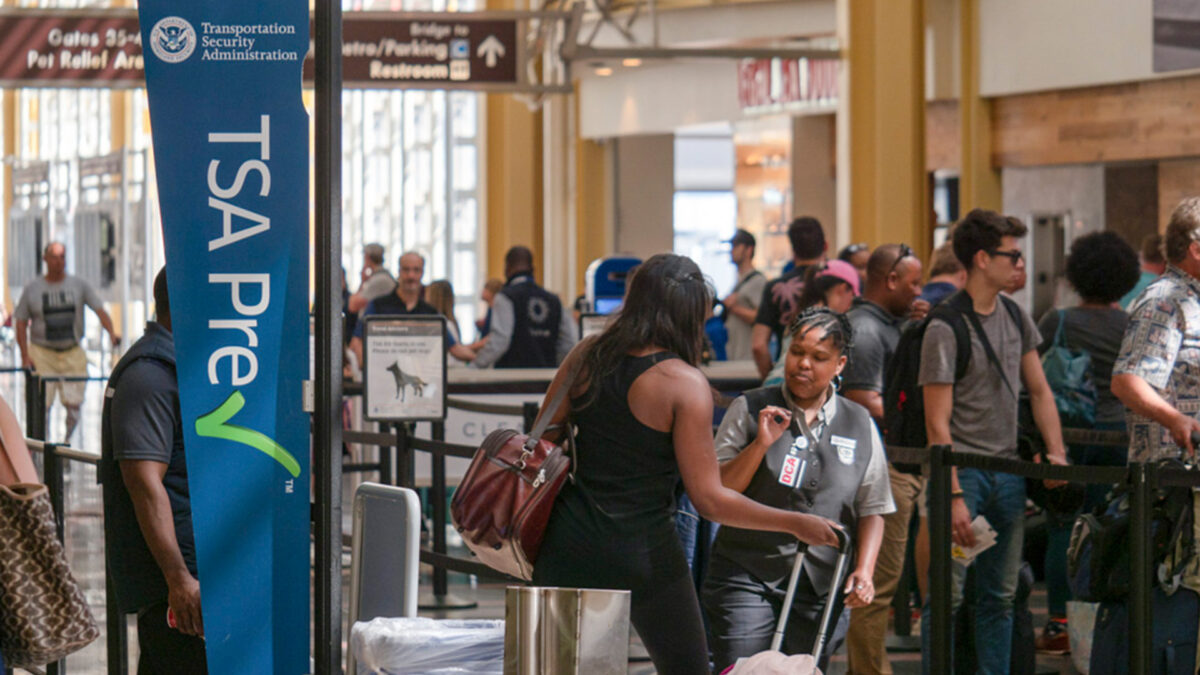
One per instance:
(845,449)
(792,471)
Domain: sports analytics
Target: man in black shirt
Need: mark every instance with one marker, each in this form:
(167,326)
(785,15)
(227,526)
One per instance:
(408,298)
(150,548)
(781,298)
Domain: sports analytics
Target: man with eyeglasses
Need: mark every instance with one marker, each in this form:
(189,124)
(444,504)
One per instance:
(978,413)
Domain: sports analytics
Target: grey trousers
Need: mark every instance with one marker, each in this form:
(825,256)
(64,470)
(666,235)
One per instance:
(742,613)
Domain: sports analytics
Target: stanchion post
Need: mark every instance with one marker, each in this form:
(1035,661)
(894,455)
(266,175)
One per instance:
(35,406)
(437,494)
(939,559)
(529,411)
(1143,477)
(404,463)
(52,470)
(53,478)
(118,633)
(386,470)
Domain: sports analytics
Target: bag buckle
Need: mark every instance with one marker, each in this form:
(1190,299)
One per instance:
(541,478)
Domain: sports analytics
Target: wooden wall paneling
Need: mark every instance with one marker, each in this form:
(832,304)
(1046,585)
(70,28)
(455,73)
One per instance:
(1177,180)
(1149,120)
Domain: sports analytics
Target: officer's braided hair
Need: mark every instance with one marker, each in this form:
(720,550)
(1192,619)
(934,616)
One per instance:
(835,327)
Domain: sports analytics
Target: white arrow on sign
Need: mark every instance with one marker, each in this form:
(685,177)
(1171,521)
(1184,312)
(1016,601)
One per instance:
(490,49)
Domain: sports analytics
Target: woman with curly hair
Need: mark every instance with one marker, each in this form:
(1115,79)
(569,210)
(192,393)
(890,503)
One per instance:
(1102,268)
(797,446)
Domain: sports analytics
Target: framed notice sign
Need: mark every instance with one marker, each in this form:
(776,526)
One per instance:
(593,324)
(404,368)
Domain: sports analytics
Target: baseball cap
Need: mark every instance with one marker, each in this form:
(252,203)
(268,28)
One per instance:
(741,237)
(842,270)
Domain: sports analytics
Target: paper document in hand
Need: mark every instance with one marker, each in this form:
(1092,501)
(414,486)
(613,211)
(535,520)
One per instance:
(985,538)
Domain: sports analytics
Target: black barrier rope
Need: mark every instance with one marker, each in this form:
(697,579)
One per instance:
(441,448)
(369,438)
(455,564)
(485,408)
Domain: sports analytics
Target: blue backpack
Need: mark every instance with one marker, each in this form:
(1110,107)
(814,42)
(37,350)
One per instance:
(1069,373)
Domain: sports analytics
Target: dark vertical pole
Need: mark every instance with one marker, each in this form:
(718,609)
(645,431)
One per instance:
(939,559)
(35,406)
(437,495)
(386,474)
(404,476)
(118,632)
(327,418)
(53,478)
(52,475)
(1140,618)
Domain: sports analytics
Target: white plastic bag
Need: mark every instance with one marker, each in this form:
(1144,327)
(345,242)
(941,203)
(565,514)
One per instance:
(403,646)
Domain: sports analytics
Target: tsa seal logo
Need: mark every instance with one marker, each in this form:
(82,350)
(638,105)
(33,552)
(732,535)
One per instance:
(173,39)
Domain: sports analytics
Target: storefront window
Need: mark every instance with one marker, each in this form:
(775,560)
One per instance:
(411,175)
(705,210)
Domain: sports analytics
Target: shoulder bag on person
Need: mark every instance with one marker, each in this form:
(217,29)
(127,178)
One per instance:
(503,503)
(43,613)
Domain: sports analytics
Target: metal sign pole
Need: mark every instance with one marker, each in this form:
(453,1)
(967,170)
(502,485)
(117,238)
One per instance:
(327,419)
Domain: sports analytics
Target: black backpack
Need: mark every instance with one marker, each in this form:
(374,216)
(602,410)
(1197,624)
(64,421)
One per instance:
(903,403)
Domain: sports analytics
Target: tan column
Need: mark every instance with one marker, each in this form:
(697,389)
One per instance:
(979,183)
(513,156)
(882,184)
(593,204)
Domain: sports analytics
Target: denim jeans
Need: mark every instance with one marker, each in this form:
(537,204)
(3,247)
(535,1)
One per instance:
(1000,498)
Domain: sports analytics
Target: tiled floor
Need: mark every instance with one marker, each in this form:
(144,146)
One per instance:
(85,549)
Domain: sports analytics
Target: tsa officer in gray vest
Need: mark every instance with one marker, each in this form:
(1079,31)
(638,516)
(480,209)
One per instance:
(796,446)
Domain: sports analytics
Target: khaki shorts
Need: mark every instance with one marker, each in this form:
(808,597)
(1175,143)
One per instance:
(72,362)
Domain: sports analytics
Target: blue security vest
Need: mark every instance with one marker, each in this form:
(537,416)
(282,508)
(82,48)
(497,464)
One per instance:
(537,314)
(794,476)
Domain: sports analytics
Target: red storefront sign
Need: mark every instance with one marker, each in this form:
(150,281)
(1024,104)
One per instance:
(766,85)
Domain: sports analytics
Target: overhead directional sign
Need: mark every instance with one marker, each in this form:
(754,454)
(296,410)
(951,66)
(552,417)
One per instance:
(459,50)
(482,51)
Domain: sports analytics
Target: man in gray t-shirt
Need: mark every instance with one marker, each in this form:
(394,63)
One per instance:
(978,413)
(51,309)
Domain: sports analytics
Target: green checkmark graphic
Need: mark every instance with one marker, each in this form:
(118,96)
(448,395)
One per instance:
(214,425)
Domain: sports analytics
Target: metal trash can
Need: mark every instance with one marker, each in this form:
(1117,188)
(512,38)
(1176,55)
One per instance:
(566,631)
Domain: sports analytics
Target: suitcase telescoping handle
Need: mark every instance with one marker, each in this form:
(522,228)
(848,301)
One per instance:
(843,547)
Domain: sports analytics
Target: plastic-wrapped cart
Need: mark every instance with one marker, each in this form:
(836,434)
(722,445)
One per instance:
(400,646)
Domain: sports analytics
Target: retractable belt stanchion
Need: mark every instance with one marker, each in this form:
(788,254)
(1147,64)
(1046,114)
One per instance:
(939,560)
(441,598)
(404,458)
(1140,618)
(35,406)
(52,476)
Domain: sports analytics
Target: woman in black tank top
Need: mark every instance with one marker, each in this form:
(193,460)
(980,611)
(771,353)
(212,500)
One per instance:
(643,415)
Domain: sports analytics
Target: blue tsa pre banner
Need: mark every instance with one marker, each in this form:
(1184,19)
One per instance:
(231,153)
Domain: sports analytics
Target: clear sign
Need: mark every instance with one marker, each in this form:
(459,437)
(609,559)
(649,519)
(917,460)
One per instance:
(404,369)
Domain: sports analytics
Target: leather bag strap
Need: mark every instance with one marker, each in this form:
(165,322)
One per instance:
(547,413)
